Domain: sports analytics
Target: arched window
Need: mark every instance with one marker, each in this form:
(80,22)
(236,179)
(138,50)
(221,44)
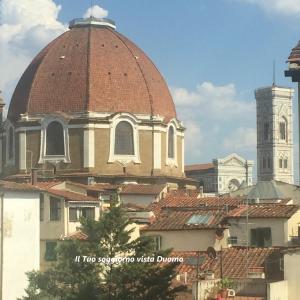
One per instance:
(10,143)
(171,142)
(283,129)
(124,144)
(55,144)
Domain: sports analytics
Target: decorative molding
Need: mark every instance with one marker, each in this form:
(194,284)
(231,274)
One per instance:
(124,159)
(54,158)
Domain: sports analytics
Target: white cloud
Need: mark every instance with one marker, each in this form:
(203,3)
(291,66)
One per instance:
(217,121)
(221,102)
(96,11)
(26,27)
(241,139)
(284,7)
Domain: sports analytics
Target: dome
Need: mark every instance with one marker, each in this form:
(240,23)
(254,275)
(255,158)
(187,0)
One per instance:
(92,67)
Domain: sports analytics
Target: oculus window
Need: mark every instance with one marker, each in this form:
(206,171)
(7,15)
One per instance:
(124,143)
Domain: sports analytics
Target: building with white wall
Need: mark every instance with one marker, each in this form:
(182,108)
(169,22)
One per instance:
(223,174)
(20,237)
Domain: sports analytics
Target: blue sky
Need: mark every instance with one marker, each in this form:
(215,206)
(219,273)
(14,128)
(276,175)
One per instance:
(212,53)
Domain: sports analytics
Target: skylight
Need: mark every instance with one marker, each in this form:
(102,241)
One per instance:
(198,219)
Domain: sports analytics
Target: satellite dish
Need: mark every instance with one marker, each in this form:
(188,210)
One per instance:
(211,252)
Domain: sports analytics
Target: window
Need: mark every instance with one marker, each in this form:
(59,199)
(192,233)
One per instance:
(41,207)
(283,130)
(269,163)
(280,163)
(55,209)
(157,242)
(264,163)
(55,144)
(261,237)
(285,163)
(88,212)
(266,131)
(10,143)
(171,142)
(73,214)
(76,212)
(233,240)
(124,144)
(50,254)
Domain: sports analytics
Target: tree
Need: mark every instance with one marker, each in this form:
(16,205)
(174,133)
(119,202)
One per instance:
(106,239)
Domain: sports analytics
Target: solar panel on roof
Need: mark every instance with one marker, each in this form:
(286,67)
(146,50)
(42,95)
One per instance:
(198,219)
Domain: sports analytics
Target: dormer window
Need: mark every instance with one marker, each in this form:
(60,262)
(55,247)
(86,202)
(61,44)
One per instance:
(54,141)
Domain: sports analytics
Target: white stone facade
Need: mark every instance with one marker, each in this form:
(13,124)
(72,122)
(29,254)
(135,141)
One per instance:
(225,174)
(274,133)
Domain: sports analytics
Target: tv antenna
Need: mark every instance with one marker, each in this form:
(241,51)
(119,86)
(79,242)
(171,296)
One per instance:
(92,4)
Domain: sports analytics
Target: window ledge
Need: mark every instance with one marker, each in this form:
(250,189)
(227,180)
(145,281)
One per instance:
(54,158)
(124,159)
(171,162)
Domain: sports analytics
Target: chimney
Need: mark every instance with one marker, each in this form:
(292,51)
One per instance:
(34,176)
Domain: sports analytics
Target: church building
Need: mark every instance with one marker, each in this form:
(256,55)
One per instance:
(92,107)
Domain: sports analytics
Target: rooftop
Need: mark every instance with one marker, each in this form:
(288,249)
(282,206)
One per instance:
(236,262)
(186,219)
(142,189)
(199,167)
(264,211)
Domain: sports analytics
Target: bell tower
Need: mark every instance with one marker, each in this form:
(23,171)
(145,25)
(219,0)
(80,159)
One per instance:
(274,133)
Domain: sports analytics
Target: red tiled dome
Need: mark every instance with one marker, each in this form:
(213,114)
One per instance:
(92,68)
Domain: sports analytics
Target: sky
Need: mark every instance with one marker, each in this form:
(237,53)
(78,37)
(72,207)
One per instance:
(213,54)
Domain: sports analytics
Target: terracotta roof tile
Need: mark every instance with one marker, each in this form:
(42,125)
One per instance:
(9,185)
(236,262)
(264,211)
(199,167)
(71,196)
(77,235)
(180,219)
(142,189)
(194,201)
(92,69)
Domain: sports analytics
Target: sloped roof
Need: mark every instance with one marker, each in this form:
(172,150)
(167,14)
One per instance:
(264,211)
(142,189)
(71,196)
(265,190)
(186,219)
(236,261)
(199,167)
(13,186)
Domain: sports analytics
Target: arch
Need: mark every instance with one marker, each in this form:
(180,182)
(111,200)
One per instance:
(55,142)
(124,139)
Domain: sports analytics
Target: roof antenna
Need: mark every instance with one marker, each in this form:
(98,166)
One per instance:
(92,3)
(274,76)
